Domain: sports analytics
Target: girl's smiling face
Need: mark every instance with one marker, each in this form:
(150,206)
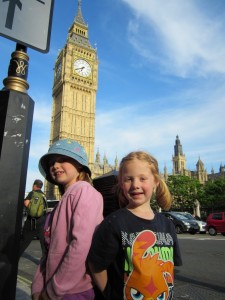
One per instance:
(64,170)
(138,183)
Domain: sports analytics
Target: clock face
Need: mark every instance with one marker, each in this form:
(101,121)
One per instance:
(82,67)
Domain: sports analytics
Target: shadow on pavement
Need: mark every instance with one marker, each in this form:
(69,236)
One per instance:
(31,258)
(186,279)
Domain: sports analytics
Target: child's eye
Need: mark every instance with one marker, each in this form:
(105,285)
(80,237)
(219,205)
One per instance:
(126,179)
(51,162)
(58,160)
(61,159)
(143,178)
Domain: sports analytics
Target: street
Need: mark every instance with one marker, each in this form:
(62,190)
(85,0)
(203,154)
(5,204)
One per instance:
(202,276)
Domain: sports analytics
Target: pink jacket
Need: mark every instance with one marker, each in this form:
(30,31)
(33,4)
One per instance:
(75,219)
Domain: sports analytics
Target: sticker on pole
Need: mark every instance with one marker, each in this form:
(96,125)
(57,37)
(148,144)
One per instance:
(27,22)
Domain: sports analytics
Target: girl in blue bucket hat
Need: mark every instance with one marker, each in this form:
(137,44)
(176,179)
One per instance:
(62,274)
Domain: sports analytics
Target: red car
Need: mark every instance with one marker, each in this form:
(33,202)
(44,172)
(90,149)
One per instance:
(216,223)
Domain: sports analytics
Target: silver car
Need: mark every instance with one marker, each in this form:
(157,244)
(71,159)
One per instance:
(201,224)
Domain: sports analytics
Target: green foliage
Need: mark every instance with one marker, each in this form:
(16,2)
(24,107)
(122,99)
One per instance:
(185,191)
(214,193)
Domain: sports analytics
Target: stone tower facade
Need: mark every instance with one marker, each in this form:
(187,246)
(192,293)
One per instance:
(201,173)
(179,159)
(179,165)
(74,91)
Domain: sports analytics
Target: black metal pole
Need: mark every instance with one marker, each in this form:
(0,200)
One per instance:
(16,111)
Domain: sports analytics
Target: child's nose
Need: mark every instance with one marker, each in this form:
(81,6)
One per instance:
(55,164)
(135,183)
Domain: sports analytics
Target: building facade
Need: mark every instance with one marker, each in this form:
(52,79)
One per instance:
(179,164)
(74,96)
(179,159)
(74,89)
(220,174)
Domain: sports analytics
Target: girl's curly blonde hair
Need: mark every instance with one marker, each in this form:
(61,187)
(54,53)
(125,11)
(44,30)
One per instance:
(162,193)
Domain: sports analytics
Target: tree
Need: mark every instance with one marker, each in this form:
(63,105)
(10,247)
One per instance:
(214,193)
(185,191)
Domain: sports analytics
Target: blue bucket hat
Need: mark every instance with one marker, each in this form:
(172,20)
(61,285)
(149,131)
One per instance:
(64,147)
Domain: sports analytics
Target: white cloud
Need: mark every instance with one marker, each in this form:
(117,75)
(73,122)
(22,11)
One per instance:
(199,124)
(178,36)
(42,113)
(39,140)
(38,147)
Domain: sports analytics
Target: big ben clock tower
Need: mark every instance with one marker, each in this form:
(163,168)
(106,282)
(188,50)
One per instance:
(74,90)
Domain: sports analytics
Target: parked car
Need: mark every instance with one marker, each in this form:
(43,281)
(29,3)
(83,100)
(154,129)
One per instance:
(51,204)
(182,223)
(201,224)
(216,223)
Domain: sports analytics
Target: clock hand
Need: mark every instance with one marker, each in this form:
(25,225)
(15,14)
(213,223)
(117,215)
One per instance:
(79,68)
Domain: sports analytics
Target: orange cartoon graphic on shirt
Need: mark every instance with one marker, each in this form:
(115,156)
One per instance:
(151,277)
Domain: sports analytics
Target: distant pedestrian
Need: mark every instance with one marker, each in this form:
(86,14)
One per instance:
(134,249)
(70,226)
(34,224)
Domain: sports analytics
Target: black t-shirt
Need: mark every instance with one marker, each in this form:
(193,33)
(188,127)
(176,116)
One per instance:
(138,254)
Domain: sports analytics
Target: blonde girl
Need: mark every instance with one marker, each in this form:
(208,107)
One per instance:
(134,250)
(161,191)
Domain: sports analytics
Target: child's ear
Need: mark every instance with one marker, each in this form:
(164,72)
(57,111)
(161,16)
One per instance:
(156,184)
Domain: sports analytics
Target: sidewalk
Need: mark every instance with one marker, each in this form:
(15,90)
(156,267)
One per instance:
(23,289)
(27,265)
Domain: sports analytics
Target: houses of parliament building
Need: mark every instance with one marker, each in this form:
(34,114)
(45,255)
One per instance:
(74,105)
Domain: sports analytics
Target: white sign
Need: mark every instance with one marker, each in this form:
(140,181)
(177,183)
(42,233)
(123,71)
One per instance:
(27,22)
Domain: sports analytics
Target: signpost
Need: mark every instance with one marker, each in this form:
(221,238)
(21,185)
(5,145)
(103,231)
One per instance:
(28,22)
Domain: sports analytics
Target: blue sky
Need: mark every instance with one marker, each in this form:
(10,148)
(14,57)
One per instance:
(161,73)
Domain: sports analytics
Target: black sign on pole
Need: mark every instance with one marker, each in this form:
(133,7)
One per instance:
(27,22)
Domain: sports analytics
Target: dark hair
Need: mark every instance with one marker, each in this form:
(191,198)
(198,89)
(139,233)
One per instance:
(38,183)
(162,193)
